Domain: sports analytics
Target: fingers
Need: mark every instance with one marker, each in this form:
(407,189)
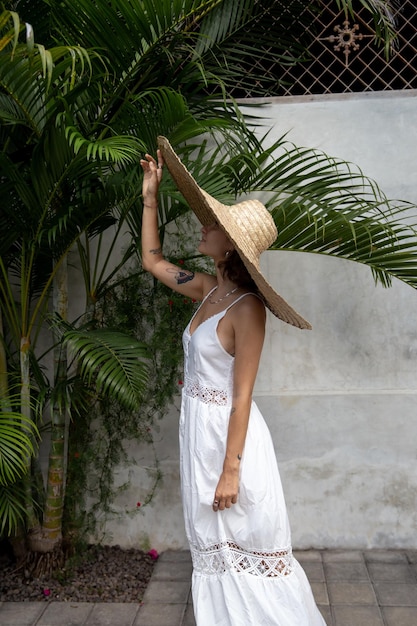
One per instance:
(160,160)
(152,176)
(219,504)
(149,163)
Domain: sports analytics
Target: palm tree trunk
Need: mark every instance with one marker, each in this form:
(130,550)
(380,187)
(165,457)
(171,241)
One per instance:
(49,540)
(25,402)
(4,387)
(20,542)
(52,523)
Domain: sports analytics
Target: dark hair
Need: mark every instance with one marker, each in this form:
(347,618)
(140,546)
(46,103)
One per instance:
(235,270)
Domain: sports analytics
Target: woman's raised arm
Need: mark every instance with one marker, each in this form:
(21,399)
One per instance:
(193,285)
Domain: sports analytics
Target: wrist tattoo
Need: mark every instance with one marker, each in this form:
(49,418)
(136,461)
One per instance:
(155,250)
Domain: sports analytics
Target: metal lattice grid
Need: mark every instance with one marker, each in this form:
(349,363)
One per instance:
(343,56)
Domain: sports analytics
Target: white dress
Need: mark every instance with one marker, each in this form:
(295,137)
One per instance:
(244,573)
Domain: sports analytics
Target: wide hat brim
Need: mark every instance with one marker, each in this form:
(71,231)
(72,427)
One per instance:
(208,209)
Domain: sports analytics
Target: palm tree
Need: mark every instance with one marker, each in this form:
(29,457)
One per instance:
(76,118)
(201,50)
(43,217)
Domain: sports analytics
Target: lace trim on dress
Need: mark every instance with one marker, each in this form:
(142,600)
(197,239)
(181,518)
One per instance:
(208,395)
(219,558)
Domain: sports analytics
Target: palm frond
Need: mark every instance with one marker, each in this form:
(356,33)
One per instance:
(111,361)
(11,35)
(18,434)
(320,204)
(15,446)
(328,206)
(118,149)
(20,78)
(223,19)
(13,512)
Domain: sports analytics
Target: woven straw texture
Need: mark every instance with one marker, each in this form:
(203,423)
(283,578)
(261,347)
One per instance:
(248,224)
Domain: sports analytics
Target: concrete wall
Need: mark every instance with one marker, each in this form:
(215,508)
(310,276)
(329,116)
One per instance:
(340,400)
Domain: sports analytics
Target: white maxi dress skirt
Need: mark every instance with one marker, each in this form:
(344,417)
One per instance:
(244,573)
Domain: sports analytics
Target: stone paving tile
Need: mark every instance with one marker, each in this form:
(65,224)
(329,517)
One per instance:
(112,613)
(351,593)
(385,556)
(68,613)
(320,593)
(327,615)
(175,555)
(307,555)
(160,615)
(412,556)
(345,556)
(396,594)
(355,572)
(170,592)
(357,616)
(21,613)
(400,616)
(170,570)
(314,571)
(189,617)
(394,572)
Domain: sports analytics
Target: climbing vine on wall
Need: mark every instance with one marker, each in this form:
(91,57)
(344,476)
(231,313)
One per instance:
(101,437)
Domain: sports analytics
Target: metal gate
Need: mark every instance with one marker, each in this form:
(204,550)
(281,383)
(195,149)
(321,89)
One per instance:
(342,55)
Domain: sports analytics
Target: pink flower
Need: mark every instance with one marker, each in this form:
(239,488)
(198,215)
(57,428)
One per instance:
(153,554)
(46,592)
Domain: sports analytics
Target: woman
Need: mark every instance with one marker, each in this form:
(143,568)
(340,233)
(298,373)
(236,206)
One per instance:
(244,573)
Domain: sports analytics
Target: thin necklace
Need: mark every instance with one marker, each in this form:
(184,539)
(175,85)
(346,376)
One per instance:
(224,297)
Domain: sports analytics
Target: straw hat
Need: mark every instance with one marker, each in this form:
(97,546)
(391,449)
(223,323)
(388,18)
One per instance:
(248,225)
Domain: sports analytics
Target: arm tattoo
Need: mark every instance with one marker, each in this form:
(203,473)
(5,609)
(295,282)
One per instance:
(155,250)
(182,276)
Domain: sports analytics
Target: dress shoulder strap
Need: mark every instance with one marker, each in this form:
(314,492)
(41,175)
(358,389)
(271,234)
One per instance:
(200,305)
(208,294)
(249,293)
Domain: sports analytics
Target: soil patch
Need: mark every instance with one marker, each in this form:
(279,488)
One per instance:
(101,574)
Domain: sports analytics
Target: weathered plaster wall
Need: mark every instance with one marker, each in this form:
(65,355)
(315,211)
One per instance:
(340,400)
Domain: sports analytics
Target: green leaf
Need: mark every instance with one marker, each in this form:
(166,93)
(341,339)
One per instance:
(17,435)
(111,361)
(13,513)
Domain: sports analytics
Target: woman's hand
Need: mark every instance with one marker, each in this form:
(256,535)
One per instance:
(152,175)
(227,490)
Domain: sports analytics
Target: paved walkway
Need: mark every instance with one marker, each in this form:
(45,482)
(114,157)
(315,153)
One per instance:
(352,588)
